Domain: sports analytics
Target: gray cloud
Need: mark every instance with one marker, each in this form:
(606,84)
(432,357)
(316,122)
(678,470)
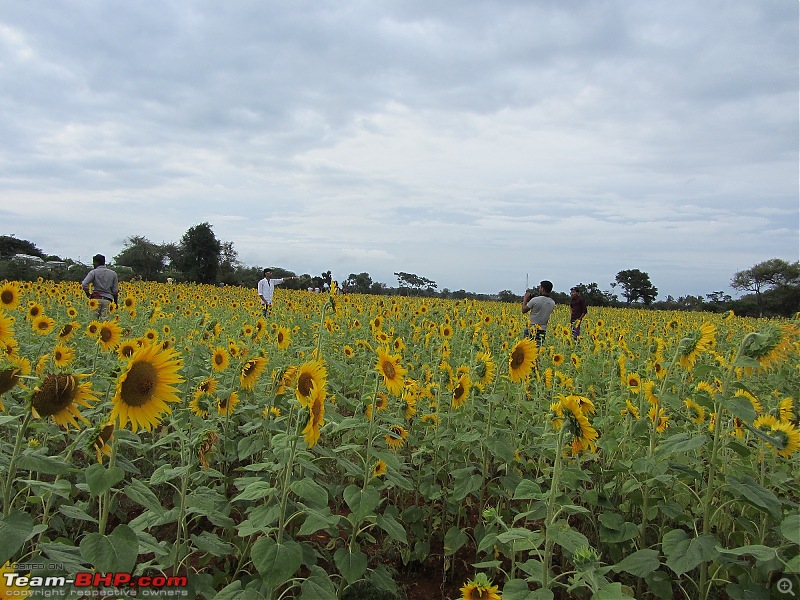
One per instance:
(470,142)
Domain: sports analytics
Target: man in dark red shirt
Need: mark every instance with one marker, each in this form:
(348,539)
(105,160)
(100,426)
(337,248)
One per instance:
(577,306)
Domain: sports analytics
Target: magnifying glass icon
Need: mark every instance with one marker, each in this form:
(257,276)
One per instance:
(785,586)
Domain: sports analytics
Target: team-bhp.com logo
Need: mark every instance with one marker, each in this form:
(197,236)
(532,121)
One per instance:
(89,584)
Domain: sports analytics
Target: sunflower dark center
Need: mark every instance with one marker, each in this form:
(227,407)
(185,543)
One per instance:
(304,384)
(517,358)
(248,368)
(8,379)
(219,359)
(388,369)
(137,389)
(106,334)
(55,393)
(280,337)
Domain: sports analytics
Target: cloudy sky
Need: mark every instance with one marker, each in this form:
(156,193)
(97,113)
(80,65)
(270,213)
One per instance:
(478,143)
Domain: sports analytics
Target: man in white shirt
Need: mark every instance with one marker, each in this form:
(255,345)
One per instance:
(266,289)
(540,308)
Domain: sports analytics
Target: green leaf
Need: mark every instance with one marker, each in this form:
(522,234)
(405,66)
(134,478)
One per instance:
(276,562)
(517,589)
(640,564)
(454,539)
(73,512)
(521,538)
(317,519)
(352,565)
(249,445)
(757,551)
(790,528)
(15,529)
(740,407)
(69,556)
(362,502)
(684,553)
(43,464)
(310,491)
(565,536)
(391,526)
(611,591)
(757,494)
(115,552)
(318,586)
(528,490)
(255,491)
(143,495)
(100,479)
(680,442)
(464,487)
(211,543)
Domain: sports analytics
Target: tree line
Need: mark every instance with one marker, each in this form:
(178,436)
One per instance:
(771,287)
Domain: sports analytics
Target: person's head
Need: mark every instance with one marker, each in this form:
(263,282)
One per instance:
(574,292)
(545,287)
(268,273)
(98,259)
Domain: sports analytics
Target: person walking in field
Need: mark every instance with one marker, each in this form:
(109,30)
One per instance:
(266,289)
(540,307)
(105,285)
(578,310)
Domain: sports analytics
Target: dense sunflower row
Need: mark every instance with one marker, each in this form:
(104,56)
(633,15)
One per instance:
(340,416)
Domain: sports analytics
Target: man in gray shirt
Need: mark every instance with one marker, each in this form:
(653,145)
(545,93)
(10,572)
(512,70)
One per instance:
(540,308)
(105,285)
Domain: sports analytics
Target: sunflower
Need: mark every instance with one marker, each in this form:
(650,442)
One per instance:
(630,409)
(461,391)
(446,331)
(788,438)
(42,324)
(348,351)
(311,376)
(146,386)
(431,418)
(108,335)
(101,443)
(206,446)
(57,396)
(770,346)
(558,359)
(753,400)
(649,394)
(63,355)
(379,470)
(634,382)
(521,359)
(381,401)
(659,417)
(226,403)
(251,371)
(578,424)
(485,369)
(126,349)
(316,415)
(695,343)
(786,410)
(396,437)
(219,359)
(479,588)
(199,404)
(6,328)
(9,377)
(389,366)
(34,310)
(92,329)
(9,295)
(409,401)
(697,412)
(283,338)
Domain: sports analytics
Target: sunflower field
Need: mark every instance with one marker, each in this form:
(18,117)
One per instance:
(351,446)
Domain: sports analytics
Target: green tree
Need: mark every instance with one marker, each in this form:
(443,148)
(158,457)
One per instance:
(143,256)
(774,274)
(415,283)
(360,283)
(9,246)
(229,264)
(199,254)
(594,296)
(636,285)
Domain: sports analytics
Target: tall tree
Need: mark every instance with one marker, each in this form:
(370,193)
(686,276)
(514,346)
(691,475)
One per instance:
(360,283)
(199,254)
(143,256)
(9,246)
(771,274)
(415,282)
(636,285)
(229,264)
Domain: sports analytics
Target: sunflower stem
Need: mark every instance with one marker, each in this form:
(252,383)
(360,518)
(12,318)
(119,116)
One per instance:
(370,431)
(12,466)
(551,508)
(105,498)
